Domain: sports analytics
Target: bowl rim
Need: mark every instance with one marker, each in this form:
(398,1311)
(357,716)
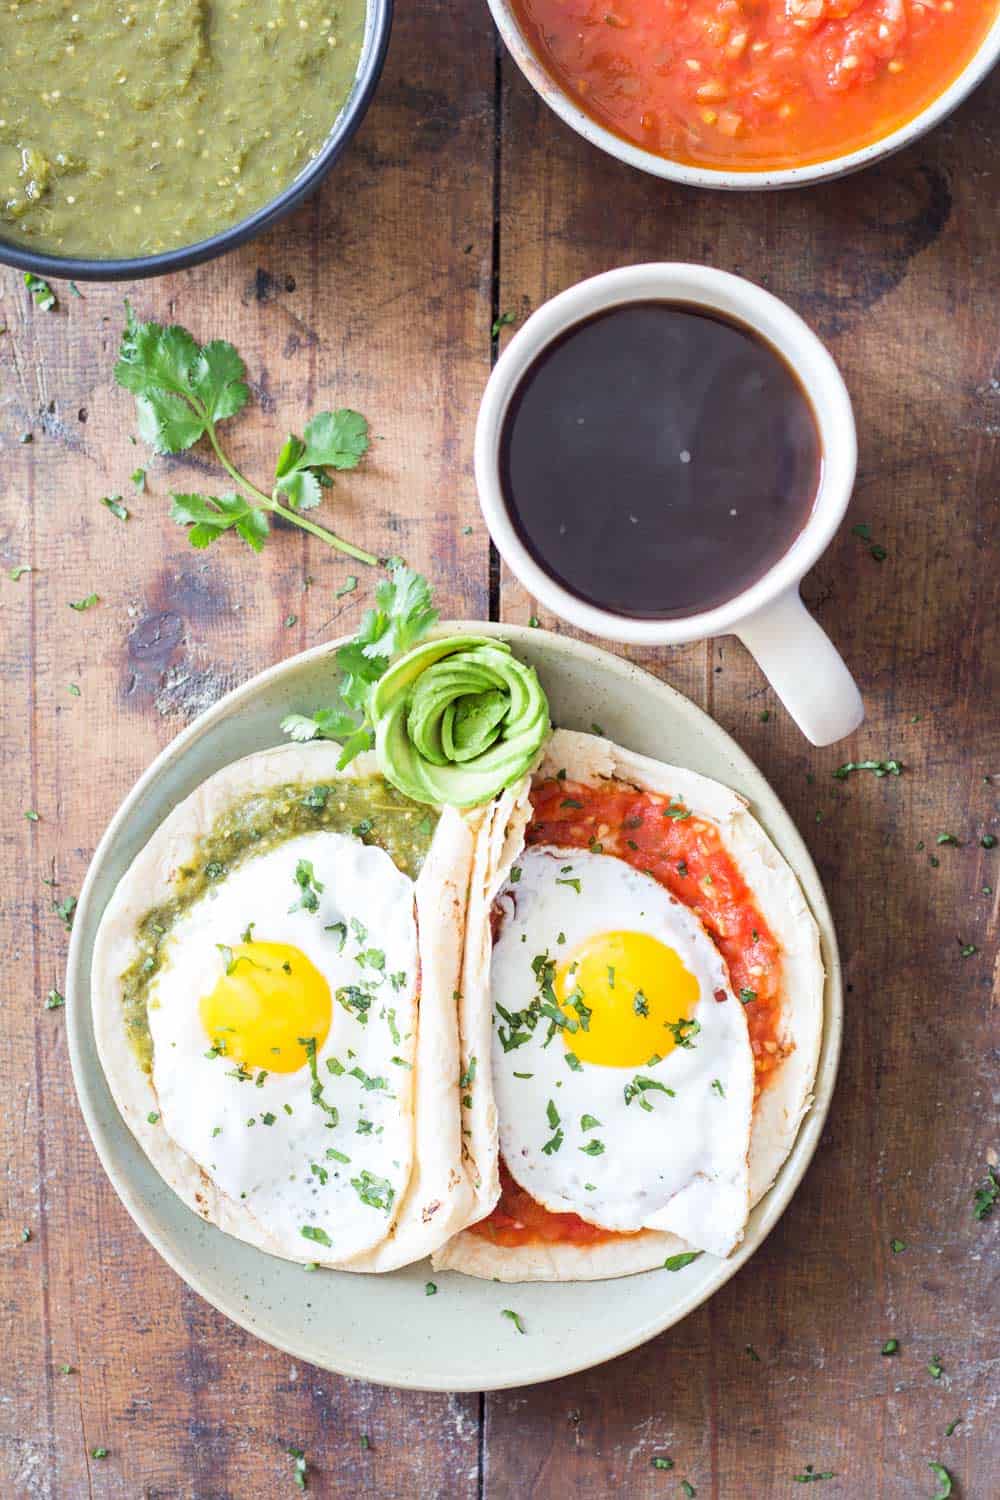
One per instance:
(375,44)
(536,1366)
(983,60)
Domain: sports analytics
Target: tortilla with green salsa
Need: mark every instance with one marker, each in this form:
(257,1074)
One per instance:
(132,127)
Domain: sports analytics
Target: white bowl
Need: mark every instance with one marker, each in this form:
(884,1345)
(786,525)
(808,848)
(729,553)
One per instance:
(556,98)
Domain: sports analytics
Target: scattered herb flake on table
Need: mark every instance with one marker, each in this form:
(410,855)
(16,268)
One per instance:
(502,320)
(300,1471)
(943,1478)
(985,1197)
(87,603)
(114,504)
(54,1000)
(879,767)
(41,293)
(897,1246)
(18,571)
(515,1318)
(811,1475)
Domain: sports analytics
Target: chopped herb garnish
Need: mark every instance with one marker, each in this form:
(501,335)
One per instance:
(316,1091)
(430,1289)
(891,1346)
(515,874)
(678,1262)
(376,1192)
(593,1148)
(968,950)
(589,1122)
(113,503)
(86,603)
(572,1061)
(717,1086)
(935,1368)
(153,1117)
(683,1031)
(811,1475)
(640,1004)
(18,571)
(688,1489)
(41,293)
(879,767)
(502,320)
(572,881)
(552,1146)
(749,1349)
(515,1318)
(54,1000)
(309,886)
(317,1235)
(348,586)
(746,996)
(571,802)
(99,1452)
(138,477)
(951,1427)
(948,838)
(659,1462)
(640,1086)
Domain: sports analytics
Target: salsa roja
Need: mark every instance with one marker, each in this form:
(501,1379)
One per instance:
(754,85)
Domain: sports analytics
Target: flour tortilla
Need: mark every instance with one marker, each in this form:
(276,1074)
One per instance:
(440,1196)
(781,1106)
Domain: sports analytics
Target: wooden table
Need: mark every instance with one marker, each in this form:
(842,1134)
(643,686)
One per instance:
(463,198)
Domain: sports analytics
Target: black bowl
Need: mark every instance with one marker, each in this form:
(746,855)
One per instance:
(378,24)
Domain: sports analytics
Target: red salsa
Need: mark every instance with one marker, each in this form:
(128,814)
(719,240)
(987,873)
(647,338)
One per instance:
(754,85)
(685,854)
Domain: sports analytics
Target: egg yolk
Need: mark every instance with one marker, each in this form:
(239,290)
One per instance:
(269,999)
(635,989)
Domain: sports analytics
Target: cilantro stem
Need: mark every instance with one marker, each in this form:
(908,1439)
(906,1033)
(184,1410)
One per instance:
(270,503)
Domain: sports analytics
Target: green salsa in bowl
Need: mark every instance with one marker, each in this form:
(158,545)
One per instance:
(141,136)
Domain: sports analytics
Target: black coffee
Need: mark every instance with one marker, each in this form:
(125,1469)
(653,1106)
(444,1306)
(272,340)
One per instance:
(657,459)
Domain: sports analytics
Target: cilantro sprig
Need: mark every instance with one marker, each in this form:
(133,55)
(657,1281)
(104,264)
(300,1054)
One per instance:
(402,616)
(184,389)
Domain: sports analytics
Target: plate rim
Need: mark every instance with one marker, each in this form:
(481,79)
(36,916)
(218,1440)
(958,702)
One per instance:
(763,1218)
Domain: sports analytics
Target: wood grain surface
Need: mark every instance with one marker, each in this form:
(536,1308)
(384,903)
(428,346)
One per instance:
(463,197)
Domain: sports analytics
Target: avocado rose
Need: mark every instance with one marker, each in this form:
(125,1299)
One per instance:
(457,720)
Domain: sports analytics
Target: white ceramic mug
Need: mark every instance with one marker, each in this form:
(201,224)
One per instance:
(802,664)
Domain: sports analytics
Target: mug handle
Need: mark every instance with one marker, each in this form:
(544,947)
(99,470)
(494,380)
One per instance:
(804,667)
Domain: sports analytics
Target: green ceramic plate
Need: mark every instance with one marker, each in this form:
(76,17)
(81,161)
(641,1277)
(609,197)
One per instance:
(384,1328)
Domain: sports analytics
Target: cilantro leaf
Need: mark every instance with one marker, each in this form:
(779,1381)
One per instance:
(335,439)
(324,724)
(944,1479)
(217,377)
(211,515)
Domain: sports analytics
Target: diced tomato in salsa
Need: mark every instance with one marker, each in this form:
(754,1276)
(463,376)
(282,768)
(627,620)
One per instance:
(686,855)
(754,84)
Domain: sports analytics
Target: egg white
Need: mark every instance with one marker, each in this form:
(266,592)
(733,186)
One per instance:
(680,1165)
(206,1108)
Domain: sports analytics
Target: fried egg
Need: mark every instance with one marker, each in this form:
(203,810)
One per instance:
(283,1022)
(622,1065)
